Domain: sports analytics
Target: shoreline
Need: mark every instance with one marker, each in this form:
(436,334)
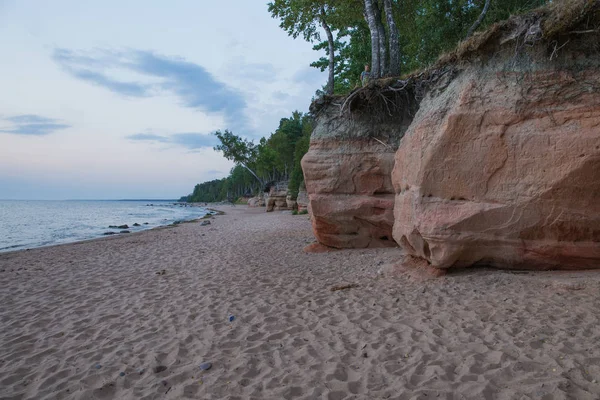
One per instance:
(94,319)
(115,235)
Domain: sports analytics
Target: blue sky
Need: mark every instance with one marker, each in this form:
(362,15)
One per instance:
(112,99)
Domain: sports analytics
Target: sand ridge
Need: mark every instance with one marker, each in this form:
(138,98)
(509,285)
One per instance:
(479,334)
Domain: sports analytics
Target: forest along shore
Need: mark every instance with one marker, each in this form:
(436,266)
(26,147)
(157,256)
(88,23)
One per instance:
(135,317)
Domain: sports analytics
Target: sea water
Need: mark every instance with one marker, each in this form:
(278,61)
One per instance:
(28,224)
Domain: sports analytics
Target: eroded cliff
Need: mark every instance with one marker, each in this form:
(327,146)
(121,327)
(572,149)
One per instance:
(347,172)
(500,164)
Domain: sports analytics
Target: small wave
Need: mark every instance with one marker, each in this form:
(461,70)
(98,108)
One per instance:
(15,246)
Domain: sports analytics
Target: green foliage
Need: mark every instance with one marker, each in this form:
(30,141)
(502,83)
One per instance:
(303,212)
(275,158)
(300,150)
(427,29)
(207,192)
(430,27)
(235,148)
(295,212)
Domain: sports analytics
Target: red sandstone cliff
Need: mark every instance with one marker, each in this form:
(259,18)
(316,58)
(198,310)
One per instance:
(347,172)
(500,165)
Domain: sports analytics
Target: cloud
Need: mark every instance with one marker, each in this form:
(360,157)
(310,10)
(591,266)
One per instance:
(149,137)
(257,72)
(281,96)
(216,172)
(193,140)
(188,140)
(32,125)
(191,83)
(309,75)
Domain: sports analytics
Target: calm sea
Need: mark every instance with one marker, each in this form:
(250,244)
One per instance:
(28,224)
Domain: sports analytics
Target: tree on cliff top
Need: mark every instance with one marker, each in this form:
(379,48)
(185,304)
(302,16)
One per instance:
(303,17)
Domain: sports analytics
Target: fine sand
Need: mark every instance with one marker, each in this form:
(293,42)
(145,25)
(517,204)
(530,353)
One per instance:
(74,317)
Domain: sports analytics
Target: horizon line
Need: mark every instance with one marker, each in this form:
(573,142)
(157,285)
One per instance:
(175,200)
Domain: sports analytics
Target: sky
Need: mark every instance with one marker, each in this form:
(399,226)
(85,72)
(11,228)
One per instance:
(118,99)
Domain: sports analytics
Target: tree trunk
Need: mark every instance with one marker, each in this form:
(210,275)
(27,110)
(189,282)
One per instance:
(383,60)
(472,29)
(331,52)
(394,40)
(375,39)
(253,174)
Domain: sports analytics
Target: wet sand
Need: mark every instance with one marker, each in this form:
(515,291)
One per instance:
(74,317)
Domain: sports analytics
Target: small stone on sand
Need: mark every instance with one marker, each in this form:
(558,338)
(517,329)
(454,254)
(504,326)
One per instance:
(205,366)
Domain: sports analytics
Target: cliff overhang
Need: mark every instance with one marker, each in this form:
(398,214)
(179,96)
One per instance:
(495,150)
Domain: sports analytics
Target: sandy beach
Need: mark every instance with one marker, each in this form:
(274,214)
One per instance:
(95,320)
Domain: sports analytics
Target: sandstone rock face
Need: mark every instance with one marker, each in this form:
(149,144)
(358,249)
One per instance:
(257,201)
(291,204)
(302,199)
(502,167)
(348,179)
(277,199)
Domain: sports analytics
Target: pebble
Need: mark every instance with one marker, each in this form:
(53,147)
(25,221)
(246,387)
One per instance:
(205,366)
(98,366)
(122,374)
(159,369)
(231,318)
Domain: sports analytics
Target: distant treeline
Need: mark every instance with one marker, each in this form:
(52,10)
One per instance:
(258,165)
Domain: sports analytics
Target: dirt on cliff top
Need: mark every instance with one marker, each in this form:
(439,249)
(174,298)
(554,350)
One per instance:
(552,26)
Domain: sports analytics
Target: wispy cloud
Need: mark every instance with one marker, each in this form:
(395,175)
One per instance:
(149,137)
(31,125)
(188,140)
(191,83)
(308,75)
(260,72)
(281,96)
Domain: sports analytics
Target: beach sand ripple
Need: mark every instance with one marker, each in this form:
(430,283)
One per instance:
(75,317)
